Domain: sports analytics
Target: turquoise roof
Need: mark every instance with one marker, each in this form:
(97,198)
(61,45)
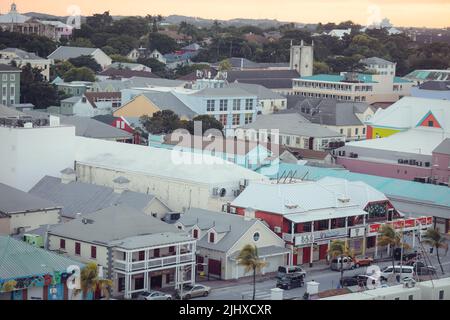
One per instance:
(366,78)
(401,80)
(439,195)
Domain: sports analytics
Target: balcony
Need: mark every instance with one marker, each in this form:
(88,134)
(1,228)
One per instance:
(154,263)
(312,237)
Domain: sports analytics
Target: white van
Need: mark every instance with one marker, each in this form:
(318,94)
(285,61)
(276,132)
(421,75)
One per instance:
(406,272)
(347,263)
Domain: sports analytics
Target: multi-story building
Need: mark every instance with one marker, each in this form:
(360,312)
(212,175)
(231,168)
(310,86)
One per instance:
(9,85)
(22,58)
(357,87)
(137,252)
(291,130)
(350,211)
(377,65)
(422,75)
(13,21)
(62,30)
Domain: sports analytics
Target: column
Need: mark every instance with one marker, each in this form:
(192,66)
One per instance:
(146,268)
(364,244)
(376,246)
(291,258)
(311,255)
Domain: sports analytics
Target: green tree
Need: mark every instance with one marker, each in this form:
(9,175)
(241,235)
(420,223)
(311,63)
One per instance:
(339,249)
(162,122)
(100,21)
(161,42)
(90,282)
(79,74)
(85,61)
(120,58)
(208,123)
(436,240)
(37,91)
(321,67)
(60,68)
(81,42)
(225,65)
(248,258)
(152,63)
(389,237)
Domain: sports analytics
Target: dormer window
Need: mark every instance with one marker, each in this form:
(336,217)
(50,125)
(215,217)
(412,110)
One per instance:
(195,233)
(212,237)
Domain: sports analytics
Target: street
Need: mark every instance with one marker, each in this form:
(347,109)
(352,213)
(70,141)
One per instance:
(328,279)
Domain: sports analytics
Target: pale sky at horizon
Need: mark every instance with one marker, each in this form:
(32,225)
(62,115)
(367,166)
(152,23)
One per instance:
(418,13)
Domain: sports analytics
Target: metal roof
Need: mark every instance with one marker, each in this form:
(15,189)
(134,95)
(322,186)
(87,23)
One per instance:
(260,91)
(16,201)
(19,259)
(114,226)
(78,197)
(64,53)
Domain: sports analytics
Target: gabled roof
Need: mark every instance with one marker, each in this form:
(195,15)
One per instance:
(234,227)
(90,128)
(79,197)
(64,53)
(443,147)
(92,97)
(408,111)
(120,226)
(22,54)
(8,68)
(290,123)
(16,201)
(18,259)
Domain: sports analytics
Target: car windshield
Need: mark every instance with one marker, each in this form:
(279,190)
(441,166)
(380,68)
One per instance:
(145,294)
(187,287)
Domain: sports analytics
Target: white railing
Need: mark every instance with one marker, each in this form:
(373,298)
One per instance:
(154,263)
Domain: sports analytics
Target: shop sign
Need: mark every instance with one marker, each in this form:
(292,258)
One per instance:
(410,223)
(328,234)
(374,228)
(302,239)
(357,232)
(398,224)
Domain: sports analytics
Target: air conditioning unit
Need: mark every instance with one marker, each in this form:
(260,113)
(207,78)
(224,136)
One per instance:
(277,229)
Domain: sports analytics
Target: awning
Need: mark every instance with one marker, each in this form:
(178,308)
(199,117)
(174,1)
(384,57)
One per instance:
(316,215)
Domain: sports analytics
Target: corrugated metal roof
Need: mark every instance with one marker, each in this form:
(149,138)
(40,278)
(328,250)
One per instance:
(19,259)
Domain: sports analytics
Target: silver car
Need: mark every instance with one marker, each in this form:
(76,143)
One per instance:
(154,295)
(192,291)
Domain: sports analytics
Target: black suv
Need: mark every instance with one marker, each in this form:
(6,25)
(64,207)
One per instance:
(290,281)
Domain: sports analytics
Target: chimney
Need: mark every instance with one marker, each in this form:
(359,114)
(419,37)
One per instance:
(249,214)
(121,184)
(68,175)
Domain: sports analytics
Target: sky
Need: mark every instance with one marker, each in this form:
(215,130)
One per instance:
(402,13)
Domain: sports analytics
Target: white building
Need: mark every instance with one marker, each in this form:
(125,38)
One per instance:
(138,252)
(302,59)
(22,58)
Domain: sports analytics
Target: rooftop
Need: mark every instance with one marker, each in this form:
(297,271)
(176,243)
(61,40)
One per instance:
(160,162)
(79,197)
(260,91)
(21,54)
(64,53)
(19,259)
(120,226)
(364,78)
(16,201)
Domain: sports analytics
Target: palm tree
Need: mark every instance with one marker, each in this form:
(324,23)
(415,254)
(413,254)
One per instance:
(248,257)
(436,240)
(388,236)
(339,248)
(90,281)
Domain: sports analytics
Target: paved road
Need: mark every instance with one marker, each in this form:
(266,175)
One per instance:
(328,279)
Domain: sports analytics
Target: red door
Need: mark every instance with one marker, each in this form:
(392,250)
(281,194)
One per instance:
(306,255)
(214,267)
(323,250)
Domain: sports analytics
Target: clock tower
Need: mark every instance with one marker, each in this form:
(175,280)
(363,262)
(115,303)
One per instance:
(302,59)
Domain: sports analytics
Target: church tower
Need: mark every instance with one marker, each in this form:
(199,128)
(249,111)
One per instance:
(302,59)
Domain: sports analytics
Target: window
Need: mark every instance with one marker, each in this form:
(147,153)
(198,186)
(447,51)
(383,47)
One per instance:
(195,233)
(256,236)
(431,123)
(248,118)
(5,77)
(223,105)
(356,131)
(141,255)
(342,131)
(93,252)
(156,253)
(12,77)
(172,249)
(12,91)
(223,119)
(62,243)
(211,237)
(441,294)
(77,248)
(236,119)
(236,104)
(364,130)
(410,297)
(4,91)
(248,104)
(210,105)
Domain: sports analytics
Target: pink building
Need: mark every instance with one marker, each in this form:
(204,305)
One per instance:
(441,162)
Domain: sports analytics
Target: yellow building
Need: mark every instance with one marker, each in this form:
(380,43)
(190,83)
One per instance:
(151,102)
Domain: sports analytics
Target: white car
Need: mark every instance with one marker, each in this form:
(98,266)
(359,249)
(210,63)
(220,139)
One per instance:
(154,295)
(406,272)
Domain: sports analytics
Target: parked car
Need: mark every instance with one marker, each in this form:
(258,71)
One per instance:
(284,270)
(406,272)
(360,280)
(289,281)
(192,291)
(362,262)
(347,263)
(406,256)
(421,269)
(154,295)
